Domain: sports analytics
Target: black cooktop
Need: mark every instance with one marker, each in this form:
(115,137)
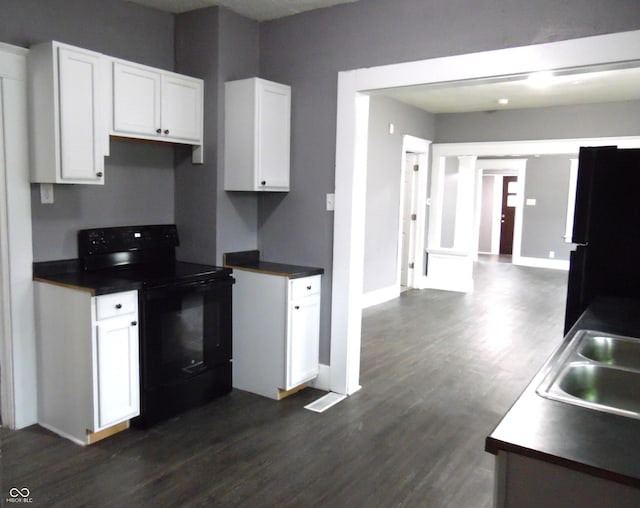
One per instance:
(129,257)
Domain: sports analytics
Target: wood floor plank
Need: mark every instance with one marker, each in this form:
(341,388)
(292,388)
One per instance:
(438,371)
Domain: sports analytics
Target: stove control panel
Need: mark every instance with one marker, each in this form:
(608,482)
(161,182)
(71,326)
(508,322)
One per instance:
(93,242)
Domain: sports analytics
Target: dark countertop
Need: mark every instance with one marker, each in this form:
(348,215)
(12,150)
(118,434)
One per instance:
(250,260)
(594,442)
(69,273)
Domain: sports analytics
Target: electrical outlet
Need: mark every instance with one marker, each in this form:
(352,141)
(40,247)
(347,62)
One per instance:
(46,193)
(552,254)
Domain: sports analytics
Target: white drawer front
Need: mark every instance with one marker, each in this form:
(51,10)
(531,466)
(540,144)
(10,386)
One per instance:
(116,304)
(305,286)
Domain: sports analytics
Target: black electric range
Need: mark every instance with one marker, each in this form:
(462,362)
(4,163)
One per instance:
(184,314)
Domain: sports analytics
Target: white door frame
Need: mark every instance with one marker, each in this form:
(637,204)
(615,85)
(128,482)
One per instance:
(351,146)
(420,147)
(17,334)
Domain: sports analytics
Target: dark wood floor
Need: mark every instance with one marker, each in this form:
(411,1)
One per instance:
(438,371)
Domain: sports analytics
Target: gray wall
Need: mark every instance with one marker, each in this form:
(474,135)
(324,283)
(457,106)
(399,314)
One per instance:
(582,121)
(543,225)
(196,47)
(138,189)
(216,45)
(384,160)
(306,51)
(449,201)
(139,184)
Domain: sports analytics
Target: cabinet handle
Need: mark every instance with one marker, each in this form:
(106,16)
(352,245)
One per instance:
(166,131)
(308,287)
(158,131)
(134,323)
(118,305)
(297,307)
(263,182)
(99,174)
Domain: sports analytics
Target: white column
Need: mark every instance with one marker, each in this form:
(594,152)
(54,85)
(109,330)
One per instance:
(465,204)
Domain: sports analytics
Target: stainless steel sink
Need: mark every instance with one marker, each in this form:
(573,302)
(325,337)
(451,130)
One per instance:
(597,371)
(618,351)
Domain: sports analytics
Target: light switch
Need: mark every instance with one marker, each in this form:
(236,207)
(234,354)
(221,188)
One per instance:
(331,202)
(531,202)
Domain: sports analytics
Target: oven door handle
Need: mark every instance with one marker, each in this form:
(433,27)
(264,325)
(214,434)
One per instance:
(197,286)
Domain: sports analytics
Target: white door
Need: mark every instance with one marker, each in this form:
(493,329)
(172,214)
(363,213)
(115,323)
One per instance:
(117,370)
(304,334)
(274,117)
(409,215)
(181,108)
(81,140)
(136,100)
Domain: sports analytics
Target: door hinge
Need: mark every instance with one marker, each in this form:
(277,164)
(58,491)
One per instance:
(416,167)
(414,216)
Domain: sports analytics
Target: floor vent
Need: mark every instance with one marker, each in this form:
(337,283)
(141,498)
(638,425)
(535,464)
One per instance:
(325,402)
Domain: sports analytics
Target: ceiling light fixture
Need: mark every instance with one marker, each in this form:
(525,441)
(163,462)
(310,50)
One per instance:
(540,79)
(503,102)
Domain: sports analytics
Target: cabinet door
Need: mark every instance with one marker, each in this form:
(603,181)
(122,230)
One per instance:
(80,115)
(303,340)
(117,370)
(274,118)
(182,108)
(136,100)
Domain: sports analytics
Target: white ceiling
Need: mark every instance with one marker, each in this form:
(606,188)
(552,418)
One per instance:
(563,88)
(259,10)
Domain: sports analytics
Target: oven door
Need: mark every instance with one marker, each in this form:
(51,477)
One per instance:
(186,331)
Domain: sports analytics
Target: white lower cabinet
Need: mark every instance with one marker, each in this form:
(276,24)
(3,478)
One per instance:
(303,334)
(276,332)
(116,363)
(88,361)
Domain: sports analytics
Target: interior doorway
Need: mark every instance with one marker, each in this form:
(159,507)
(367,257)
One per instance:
(351,157)
(412,226)
(501,184)
(407,228)
(508,214)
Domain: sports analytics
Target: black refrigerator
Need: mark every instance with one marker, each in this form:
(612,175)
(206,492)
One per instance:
(606,230)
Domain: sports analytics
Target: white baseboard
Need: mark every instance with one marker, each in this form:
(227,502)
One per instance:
(554,264)
(323,381)
(380,296)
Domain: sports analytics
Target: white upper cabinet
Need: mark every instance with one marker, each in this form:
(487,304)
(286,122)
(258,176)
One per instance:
(67,114)
(257,135)
(153,104)
(182,107)
(136,100)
